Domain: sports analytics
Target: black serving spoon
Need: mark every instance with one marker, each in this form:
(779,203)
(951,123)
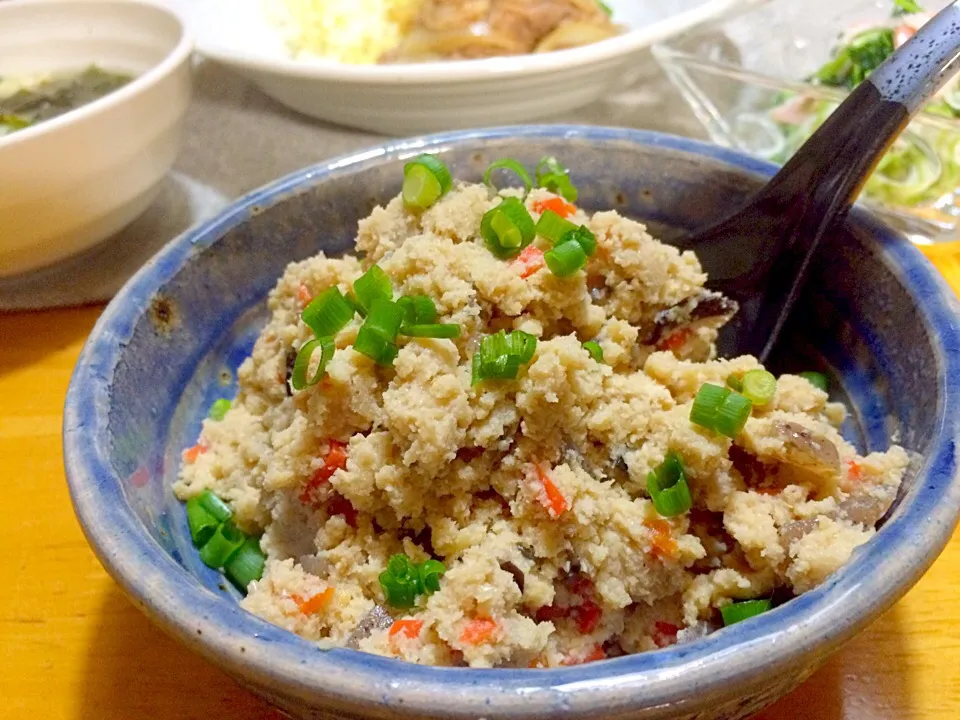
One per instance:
(759,255)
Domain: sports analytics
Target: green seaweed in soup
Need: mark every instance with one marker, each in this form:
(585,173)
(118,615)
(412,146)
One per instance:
(31,103)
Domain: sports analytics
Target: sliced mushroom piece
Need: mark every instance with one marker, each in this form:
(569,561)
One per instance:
(707,305)
(518,576)
(376,619)
(808,449)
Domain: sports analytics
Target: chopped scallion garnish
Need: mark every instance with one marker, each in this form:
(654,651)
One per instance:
(450,330)
(376,347)
(501,355)
(373,284)
(738,611)
(818,380)
(222,545)
(734,383)
(593,347)
(508,228)
(219,409)
(552,176)
(425,180)
(247,565)
(205,512)
(417,310)
(385,319)
(606,8)
(328,313)
(566,258)
(587,240)
(720,409)
(758,386)
(513,166)
(403,580)
(906,7)
(552,227)
(301,365)
(668,487)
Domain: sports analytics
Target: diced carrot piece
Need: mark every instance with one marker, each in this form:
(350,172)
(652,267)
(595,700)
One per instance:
(675,340)
(553,500)
(663,543)
(664,634)
(854,471)
(190,455)
(304,296)
(478,631)
(549,613)
(596,654)
(530,260)
(587,616)
(560,206)
(767,490)
(315,603)
(537,663)
(901,34)
(408,628)
(335,459)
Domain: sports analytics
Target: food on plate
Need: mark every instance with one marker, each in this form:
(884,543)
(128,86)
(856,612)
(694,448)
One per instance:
(386,31)
(923,166)
(500,437)
(26,101)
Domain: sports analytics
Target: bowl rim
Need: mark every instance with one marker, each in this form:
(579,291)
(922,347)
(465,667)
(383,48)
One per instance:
(463,71)
(178,54)
(281,664)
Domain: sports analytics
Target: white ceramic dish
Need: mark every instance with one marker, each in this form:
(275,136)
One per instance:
(70,182)
(425,97)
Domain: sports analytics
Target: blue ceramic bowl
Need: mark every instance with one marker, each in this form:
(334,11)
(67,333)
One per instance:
(875,315)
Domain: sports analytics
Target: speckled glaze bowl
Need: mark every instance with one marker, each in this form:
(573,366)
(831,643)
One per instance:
(875,315)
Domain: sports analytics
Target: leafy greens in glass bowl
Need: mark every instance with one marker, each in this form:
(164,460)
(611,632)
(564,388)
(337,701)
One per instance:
(764,80)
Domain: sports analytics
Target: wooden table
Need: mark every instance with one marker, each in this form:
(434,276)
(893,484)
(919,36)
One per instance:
(73,648)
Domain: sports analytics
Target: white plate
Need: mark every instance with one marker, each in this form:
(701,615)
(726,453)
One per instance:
(428,97)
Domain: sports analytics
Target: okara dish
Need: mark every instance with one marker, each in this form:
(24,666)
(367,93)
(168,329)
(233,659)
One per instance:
(502,439)
(386,31)
(27,101)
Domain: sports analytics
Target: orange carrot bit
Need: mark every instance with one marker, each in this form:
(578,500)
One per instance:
(335,459)
(407,627)
(675,340)
(597,653)
(560,206)
(313,604)
(553,500)
(529,261)
(304,296)
(664,634)
(663,543)
(537,663)
(478,631)
(190,455)
(854,470)
(767,490)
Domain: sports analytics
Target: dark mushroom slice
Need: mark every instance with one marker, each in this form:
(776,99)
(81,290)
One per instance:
(708,305)
(518,576)
(376,619)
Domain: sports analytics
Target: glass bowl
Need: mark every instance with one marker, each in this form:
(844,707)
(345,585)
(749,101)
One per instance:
(744,77)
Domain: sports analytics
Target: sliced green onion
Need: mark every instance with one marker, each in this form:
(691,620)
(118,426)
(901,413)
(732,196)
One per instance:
(385,319)
(906,7)
(566,258)
(758,386)
(735,612)
(247,565)
(508,228)
(734,383)
(215,506)
(371,343)
(302,364)
(417,310)
(430,572)
(219,409)
(593,347)
(606,8)
(668,487)
(14,121)
(202,524)
(425,180)
(373,284)
(720,409)
(513,166)
(328,313)
(400,582)
(501,355)
(451,330)
(552,176)
(552,227)
(355,304)
(818,380)
(223,545)
(587,240)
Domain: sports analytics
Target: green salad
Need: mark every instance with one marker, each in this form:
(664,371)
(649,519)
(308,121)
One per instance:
(923,166)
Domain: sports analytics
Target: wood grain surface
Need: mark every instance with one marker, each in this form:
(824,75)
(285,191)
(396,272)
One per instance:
(74,648)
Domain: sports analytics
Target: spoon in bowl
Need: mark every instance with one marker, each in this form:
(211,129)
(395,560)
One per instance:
(760,254)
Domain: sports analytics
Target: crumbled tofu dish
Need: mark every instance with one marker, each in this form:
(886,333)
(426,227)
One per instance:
(536,459)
